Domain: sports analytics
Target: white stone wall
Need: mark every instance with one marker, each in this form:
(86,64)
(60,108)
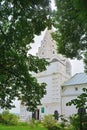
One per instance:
(25,115)
(54,77)
(68,93)
(52,98)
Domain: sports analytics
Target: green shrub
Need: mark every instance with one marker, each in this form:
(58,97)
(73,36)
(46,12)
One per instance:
(62,124)
(55,127)
(34,123)
(69,127)
(84,122)
(50,123)
(7,118)
(75,122)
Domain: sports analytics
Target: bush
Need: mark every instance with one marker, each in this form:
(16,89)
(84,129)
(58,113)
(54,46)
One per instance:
(75,122)
(34,123)
(84,122)
(69,128)
(50,123)
(62,124)
(7,118)
(55,127)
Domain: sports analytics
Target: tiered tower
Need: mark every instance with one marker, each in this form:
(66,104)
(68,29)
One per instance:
(57,72)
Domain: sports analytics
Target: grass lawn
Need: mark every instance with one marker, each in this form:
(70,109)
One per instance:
(2,127)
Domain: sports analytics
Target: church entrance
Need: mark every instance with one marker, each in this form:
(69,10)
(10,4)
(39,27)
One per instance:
(35,114)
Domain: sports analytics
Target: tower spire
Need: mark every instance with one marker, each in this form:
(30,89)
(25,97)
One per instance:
(48,46)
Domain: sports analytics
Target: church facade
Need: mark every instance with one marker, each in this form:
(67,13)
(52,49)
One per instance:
(54,76)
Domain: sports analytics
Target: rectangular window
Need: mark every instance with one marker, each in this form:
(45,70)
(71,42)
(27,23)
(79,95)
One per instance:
(76,88)
(42,109)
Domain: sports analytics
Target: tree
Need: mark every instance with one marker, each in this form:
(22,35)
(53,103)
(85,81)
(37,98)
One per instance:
(71,28)
(20,20)
(81,5)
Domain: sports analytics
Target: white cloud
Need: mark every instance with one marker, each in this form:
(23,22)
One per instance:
(77,66)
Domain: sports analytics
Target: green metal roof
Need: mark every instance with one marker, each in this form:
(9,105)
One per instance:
(79,78)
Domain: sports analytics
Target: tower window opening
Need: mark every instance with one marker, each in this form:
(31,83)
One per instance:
(76,88)
(53,52)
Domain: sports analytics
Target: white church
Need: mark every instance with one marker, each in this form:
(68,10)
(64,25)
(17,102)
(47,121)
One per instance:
(61,87)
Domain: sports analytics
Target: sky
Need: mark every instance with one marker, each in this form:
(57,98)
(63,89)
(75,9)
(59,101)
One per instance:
(53,4)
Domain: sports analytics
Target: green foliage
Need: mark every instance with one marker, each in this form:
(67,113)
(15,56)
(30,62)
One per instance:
(84,122)
(55,127)
(3,127)
(81,5)
(23,123)
(70,21)
(34,123)
(75,122)
(20,21)
(85,61)
(7,118)
(69,29)
(62,125)
(50,123)
(69,128)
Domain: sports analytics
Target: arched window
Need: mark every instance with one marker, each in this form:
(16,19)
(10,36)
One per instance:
(53,52)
